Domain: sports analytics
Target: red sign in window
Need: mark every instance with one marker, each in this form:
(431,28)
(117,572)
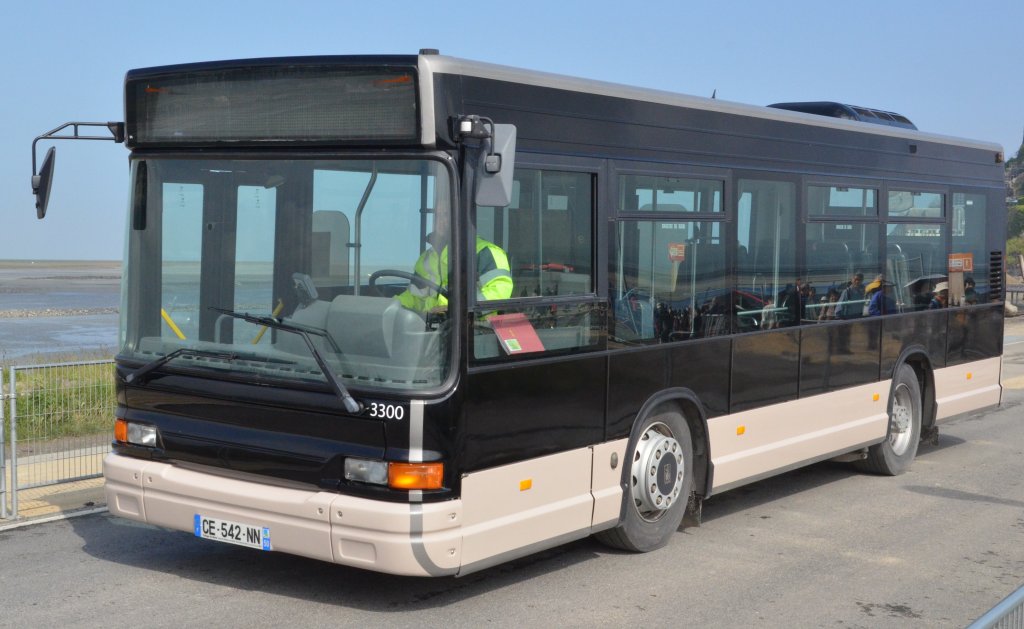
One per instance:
(516,333)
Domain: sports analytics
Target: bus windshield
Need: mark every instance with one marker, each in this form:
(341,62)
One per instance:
(325,246)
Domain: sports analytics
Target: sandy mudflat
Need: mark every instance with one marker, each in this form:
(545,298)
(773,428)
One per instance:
(25,273)
(54,312)
(58,288)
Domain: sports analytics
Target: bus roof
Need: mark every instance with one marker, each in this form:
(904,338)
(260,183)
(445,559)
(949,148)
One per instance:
(441,64)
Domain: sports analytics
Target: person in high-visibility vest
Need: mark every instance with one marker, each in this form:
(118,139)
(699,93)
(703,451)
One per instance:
(494,276)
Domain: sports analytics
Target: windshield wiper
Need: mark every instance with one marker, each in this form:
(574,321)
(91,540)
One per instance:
(351,405)
(138,374)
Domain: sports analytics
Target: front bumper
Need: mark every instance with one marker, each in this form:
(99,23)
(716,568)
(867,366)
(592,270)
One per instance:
(398,538)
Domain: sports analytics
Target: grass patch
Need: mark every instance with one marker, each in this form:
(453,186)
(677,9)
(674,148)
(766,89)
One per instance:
(64,400)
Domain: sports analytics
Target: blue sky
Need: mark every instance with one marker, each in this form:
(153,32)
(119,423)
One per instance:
(953,67)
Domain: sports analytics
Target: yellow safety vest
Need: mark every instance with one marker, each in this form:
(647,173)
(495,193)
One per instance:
(493,282)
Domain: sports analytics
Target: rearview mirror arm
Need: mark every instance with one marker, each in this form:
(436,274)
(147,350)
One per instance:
(116,130)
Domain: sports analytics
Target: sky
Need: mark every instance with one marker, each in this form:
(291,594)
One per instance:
(953,67)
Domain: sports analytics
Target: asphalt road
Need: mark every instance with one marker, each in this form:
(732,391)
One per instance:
(824,546)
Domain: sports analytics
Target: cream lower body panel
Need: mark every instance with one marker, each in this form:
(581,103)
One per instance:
(967,387)
(754,444)
(504,512)
(516,509)
(397,538)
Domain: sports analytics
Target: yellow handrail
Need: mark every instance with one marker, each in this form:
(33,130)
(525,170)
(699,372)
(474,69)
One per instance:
(263,330)
(171,324)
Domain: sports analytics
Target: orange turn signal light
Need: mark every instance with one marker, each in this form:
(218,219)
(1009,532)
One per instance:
(415,475)
(121,431)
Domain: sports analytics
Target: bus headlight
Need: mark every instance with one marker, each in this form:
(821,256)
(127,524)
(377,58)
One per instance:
(135,434)
(366,471)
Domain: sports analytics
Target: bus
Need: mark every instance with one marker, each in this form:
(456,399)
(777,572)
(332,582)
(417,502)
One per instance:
(423,315)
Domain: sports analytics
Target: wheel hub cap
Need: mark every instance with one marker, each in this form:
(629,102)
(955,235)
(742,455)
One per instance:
(657,472)
(900,420)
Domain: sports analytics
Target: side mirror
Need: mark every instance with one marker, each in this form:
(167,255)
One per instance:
(41,183)
(494,175)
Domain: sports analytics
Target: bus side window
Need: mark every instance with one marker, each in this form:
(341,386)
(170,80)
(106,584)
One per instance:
(546,234)
(969,226)
(670,281)
(837,251)
(766,221)
(915,251)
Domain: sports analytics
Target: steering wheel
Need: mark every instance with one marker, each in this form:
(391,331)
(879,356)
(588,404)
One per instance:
(421,282)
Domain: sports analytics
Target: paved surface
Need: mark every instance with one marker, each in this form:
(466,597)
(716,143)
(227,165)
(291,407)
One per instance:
(821,546)
(61,499)
(64,499)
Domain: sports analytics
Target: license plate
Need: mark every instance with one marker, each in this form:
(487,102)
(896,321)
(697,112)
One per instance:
(232,532)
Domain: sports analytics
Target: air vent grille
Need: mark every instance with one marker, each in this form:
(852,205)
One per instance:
(995,275)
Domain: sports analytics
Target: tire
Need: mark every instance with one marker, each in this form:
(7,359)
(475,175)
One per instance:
(657,483)
(893,456)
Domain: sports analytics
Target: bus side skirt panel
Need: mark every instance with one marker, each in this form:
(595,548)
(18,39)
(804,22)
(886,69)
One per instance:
(966,387)
(761,442)
(517,506)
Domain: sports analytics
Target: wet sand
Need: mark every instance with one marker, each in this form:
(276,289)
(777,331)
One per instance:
(58,288)
(58,308)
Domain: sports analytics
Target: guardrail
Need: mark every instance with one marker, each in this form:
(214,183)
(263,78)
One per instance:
(58,426)
(1008,614)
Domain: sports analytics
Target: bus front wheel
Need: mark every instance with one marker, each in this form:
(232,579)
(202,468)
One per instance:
(894,455)
(658,482)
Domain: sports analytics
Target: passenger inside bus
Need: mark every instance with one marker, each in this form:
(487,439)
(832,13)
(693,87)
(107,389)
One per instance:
(791,301)
(941,297)
(851,300)
(882,301)
(970,294)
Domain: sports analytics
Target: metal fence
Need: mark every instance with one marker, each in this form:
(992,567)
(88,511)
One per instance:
(58,426)
(1008,614)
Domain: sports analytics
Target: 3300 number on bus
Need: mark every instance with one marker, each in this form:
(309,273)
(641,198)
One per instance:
(385,410)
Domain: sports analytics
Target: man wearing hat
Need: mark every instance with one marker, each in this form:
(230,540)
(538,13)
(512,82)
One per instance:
(873,287)
(941,297)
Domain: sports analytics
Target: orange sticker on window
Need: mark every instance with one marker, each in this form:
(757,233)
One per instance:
(961,262)
(677,251)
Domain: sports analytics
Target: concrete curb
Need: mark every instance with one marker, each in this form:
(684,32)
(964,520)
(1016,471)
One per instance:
(50,518)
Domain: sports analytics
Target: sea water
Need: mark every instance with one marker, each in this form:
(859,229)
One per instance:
(58,309)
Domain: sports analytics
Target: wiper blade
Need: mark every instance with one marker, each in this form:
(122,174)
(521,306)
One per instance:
(351,405)
(138,374)
(274,322)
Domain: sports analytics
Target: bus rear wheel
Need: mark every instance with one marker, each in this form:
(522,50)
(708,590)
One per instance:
(894,455)
(659,480)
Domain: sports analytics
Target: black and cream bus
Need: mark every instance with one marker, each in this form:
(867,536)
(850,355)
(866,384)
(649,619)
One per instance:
(678,324)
